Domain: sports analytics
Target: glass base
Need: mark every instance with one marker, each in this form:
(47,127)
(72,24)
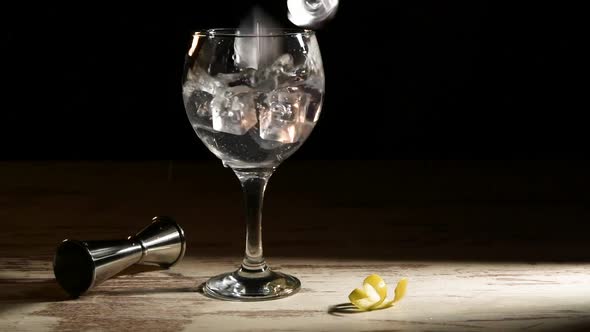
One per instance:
(243,285)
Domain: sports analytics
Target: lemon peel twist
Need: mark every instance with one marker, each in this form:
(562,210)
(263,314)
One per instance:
(373,294)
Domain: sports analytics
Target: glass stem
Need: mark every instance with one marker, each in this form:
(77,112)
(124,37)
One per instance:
(253,185)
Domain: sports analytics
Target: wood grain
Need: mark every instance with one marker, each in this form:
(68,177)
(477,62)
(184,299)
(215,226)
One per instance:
(503,248)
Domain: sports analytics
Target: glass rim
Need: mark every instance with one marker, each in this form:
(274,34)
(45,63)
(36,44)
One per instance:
(269,32)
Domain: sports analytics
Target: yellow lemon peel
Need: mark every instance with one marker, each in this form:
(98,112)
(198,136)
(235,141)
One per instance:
(373,294)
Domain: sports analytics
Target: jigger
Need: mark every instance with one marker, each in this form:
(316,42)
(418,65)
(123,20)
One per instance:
(81,265)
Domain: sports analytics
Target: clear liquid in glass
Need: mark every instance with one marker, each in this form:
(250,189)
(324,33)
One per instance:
(255,118)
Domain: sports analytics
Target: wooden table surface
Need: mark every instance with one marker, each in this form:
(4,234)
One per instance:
(485,245)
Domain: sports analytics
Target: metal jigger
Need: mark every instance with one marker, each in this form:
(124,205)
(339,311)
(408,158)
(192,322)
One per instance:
(311,13)
(81,265)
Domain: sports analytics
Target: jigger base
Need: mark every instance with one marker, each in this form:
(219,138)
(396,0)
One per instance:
(248,286)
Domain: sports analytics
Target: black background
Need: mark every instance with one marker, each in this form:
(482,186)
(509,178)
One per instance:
(404,79)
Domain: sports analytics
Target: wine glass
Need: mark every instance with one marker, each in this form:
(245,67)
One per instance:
(253,98)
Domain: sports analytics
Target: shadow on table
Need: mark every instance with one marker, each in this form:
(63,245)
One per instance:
(144,291)
(573,327)
(139,268)
(343,309)
(19,291)
(146,287)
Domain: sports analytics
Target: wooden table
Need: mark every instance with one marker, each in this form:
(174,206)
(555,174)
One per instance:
(485,245)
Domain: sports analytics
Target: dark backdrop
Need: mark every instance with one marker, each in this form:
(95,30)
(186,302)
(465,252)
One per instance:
(405,79)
